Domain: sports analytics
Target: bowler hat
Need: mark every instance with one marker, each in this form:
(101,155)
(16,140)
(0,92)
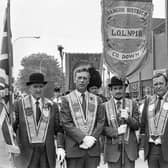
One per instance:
(36,78)
(115,81)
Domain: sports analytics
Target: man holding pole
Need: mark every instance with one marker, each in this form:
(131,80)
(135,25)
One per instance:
(122,120)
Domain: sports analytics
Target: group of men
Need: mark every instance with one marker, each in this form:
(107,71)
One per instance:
(83,117)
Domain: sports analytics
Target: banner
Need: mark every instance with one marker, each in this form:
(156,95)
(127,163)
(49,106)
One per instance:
(75,59)
(126,32)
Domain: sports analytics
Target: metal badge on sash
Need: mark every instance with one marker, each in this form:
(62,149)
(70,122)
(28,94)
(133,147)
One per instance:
(165,106)
(45,112)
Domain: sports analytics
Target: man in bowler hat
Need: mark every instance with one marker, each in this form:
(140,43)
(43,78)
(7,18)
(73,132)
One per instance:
(36,124)
(122,120)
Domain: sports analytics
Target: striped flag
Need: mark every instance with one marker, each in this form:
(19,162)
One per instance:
(6,91)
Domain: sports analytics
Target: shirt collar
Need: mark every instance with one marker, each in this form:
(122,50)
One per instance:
(115,100)
(34,100)
(79,93)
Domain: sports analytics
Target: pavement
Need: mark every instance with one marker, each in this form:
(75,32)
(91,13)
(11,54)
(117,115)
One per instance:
(138,164)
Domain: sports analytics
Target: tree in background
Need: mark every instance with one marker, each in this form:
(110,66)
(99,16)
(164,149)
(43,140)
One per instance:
(45,64)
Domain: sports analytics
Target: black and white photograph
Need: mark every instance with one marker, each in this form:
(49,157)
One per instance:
(83,84)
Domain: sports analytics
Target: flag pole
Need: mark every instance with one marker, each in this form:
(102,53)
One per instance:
(123,122)
(10,50)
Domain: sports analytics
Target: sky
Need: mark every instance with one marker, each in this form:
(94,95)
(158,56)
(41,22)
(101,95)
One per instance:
(74,24)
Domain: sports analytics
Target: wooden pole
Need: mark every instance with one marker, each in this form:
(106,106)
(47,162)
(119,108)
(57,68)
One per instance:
(123,122)
(140,86)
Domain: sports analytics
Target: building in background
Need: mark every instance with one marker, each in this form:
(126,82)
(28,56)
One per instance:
(141,83)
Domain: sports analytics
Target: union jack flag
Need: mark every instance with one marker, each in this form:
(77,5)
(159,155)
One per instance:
(6,91)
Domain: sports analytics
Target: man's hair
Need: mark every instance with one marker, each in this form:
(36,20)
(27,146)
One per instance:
(81,68)
(157,75)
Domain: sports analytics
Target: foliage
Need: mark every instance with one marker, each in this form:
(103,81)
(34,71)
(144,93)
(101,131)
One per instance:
(44,63)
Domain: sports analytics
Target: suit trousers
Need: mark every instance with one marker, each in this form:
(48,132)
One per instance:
(155,158)
(39,158)
(83,162)
(127,163)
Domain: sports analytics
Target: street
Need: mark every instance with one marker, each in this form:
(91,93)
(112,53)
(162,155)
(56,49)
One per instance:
(138,164)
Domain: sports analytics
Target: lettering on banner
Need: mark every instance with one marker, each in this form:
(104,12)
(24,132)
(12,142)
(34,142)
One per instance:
(120,33)
(127,10)
(128,56)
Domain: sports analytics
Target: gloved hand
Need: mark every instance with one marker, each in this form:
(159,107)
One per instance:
(83,146)
(60,154)
(122,129)
(141,154)
(89,141)
(124,114)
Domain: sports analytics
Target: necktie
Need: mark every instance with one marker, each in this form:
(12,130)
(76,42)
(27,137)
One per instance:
(158,105)
(118,104)
(84,104)
(38,111)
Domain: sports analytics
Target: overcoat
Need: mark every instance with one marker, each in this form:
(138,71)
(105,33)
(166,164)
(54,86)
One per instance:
(54,128)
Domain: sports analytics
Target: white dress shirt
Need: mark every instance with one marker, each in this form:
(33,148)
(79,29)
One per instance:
(34,105)
(79,95)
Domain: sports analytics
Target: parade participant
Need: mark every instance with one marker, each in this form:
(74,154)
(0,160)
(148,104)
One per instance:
(121,147)
(36,124)
(154,125)
(57,96)
(95,83)
(8,148)
(83,120)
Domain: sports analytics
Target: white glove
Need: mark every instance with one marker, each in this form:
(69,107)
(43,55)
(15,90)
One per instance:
(83,146)
(89,141)
(60,154)
(141,154)
(124,114)
(122,129)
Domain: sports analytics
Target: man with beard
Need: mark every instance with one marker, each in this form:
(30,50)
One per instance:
(83,120)
(154,125)
(36,125)
(122,120)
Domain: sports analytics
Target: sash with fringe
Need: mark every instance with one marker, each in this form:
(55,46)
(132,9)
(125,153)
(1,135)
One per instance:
(157,122)
(85,125)
(111,113)
(36,132)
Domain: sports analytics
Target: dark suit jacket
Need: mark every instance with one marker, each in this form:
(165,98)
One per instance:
(144,134)
(112,151)
(26,148)
(74,136)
